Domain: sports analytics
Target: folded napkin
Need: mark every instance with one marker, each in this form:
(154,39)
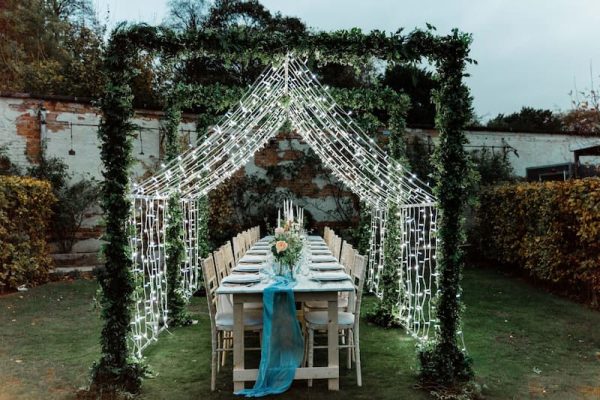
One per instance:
(257,252)
(241,279)
(320,252)
(330,276)
(323,258)
(247,268)
(326,266)
(250,259)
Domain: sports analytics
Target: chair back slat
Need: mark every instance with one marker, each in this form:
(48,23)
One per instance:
(347,257)
(336,246)
(220,264)
(358,277)
(238,247)
(229,258)
(210,285)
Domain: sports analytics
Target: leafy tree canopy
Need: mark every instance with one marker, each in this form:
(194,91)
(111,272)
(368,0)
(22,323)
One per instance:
(527,120)
(50,47)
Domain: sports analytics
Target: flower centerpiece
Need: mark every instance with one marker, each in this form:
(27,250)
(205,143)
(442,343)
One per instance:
(286,249)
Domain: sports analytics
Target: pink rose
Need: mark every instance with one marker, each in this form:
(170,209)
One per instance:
(279,231)
(281,246)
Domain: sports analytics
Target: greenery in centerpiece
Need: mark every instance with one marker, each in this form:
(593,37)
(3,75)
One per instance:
(287,247)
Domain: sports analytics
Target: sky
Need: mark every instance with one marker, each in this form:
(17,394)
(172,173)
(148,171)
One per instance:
(529,52)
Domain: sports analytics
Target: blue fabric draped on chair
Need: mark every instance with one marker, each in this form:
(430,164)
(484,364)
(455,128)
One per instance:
(282,342)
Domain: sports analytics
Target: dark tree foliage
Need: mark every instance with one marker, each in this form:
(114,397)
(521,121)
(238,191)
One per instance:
(527,120)
(50,47)
(187,15)
(231,15)
(418,84)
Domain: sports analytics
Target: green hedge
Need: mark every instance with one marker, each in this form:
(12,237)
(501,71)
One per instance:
(550,229)
(25,208)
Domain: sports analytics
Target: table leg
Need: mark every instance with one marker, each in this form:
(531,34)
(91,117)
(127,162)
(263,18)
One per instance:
(238,340)
(333,341)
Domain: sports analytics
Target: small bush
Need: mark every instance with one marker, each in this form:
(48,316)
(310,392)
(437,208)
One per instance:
(550,229)
(25,207)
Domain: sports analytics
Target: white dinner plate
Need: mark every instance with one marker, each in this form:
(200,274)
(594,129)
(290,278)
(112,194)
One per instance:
(315,239)
(241,279)
(326,267)
(323,259)
(330,276)
(247,268)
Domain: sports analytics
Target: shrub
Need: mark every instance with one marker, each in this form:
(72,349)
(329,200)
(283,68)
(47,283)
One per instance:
(25,207)
(550,229)
(74,200)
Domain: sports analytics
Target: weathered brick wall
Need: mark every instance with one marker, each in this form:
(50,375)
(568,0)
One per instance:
(71,134)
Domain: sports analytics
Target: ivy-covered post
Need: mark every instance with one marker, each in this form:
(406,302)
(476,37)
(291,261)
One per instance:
(363,230)
(203,204)
(445,362)
(116,370)
(175,247)
(386,312)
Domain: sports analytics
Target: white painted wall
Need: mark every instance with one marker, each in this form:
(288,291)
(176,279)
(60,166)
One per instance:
(534,149)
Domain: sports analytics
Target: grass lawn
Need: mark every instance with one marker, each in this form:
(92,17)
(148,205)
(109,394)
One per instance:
(525,344)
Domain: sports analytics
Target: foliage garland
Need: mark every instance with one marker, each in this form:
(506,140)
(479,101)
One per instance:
(444,362)
(116,370)
(175,247)
(386,312)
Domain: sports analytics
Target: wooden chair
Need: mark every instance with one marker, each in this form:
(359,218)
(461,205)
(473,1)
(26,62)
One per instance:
(222,322)
(336,246)
(347,257)
(220,265)
(238,247)
(247,240)
(327,232)
(229,257)
(348,321)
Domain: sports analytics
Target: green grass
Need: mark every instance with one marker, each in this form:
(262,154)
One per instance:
(525,344)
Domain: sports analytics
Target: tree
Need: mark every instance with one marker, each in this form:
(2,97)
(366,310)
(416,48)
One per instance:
(584,117)
(228,15)
(186,15)
(418,84)
(527,120)
(50,47)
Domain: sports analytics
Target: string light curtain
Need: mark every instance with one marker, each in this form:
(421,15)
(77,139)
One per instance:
(287,92)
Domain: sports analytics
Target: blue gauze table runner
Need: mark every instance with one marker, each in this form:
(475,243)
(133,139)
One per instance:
(282,342)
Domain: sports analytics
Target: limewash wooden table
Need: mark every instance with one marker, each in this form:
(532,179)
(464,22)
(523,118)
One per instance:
(305,290)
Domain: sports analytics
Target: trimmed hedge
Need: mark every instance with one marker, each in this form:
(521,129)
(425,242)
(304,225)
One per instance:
(550,229)
(25,209)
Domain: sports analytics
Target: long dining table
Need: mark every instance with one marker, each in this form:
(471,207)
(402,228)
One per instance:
(308,288)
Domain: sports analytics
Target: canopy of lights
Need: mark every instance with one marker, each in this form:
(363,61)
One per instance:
(288,92)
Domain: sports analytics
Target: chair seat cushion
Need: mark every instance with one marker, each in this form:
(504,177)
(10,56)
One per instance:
(319,318)
(225,320)
(322,305)
(253,306)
